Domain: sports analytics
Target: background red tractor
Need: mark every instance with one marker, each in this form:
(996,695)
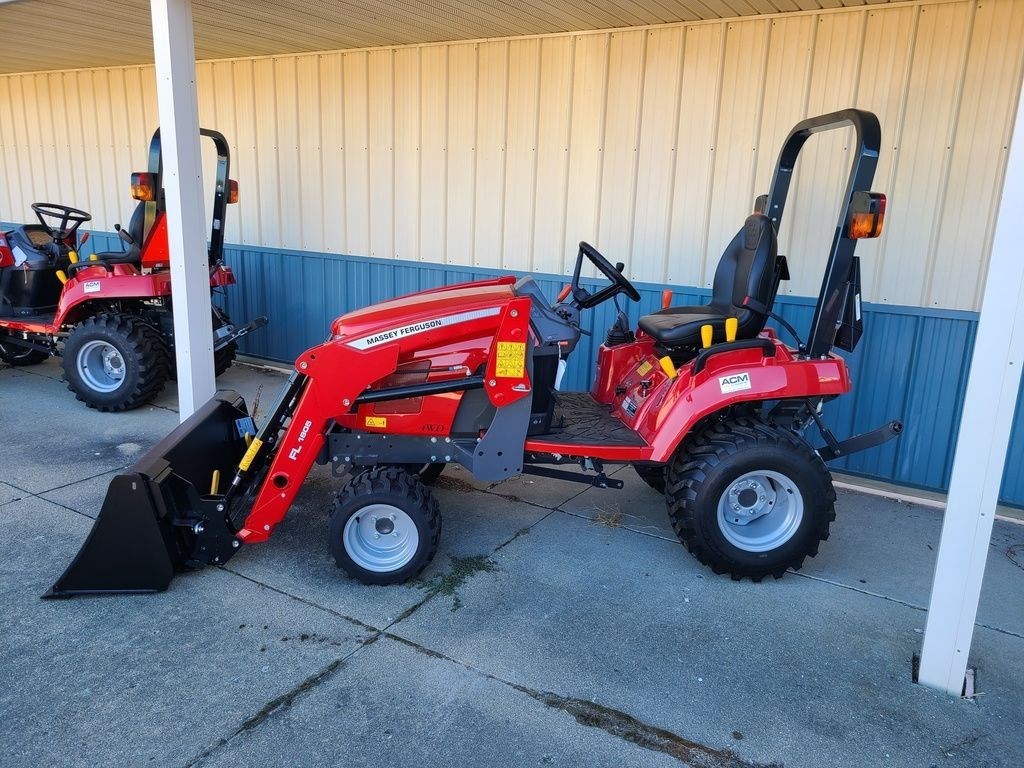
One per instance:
(706,401)
(109,316)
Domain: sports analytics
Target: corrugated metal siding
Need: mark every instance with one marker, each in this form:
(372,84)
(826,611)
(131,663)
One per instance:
(650,143)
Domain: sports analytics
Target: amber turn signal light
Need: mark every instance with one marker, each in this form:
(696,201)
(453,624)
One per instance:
(144,186)
(232,191)
(867,213)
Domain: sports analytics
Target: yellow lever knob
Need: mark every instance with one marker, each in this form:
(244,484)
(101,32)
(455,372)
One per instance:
(706,332)
(668,367)
(731,326)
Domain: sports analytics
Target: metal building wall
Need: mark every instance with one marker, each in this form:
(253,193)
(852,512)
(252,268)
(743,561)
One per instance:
(650,143)
(370,173)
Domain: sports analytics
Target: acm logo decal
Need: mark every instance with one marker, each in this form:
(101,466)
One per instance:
(734,383)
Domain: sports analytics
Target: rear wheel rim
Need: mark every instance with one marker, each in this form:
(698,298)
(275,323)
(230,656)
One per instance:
(101,366)
(760,511)
(381,538)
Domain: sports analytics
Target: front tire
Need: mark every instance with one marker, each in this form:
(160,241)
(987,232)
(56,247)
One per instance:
(385,526)
(115,362)
(749,499)
(427,473)
(20,356)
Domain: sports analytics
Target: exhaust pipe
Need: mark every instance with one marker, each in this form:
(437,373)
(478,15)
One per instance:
(166,514)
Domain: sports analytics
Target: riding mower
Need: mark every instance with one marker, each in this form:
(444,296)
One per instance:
(706,401)
(109,315)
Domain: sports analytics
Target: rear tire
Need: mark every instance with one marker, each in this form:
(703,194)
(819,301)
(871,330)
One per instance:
(749,499)
(19,356)
(385,526)
(653,475)
(223,358)
(115,362)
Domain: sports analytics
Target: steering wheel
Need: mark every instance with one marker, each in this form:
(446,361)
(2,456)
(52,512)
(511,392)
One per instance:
(67,215)
(620,283)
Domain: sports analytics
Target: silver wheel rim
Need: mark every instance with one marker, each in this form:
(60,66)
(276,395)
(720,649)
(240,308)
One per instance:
(760,511)
(381,538)
(101,366)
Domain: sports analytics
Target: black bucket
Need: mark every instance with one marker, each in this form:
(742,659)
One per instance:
(161,516)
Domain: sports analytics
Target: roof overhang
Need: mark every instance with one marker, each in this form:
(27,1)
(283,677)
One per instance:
(45,35)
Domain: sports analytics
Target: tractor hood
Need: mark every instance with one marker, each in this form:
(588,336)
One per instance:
(403,315)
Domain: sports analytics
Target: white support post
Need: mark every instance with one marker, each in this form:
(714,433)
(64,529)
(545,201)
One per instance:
(174,52)
(981,444)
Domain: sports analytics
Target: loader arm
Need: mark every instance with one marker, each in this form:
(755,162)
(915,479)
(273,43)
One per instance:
(330,380)
(326,385)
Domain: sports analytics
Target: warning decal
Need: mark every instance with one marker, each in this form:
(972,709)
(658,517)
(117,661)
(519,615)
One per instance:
(250,454)
(380,422)
(511,361)
(644,369)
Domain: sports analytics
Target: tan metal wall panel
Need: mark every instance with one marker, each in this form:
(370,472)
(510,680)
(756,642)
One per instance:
(521,125)
(489,181)
(963,230)
(461,177)
(703,52)
(407,153)
(657,155)
(552,154)
(650,143)
(933,94)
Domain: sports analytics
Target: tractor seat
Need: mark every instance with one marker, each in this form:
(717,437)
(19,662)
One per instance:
(745,284)
(132,254)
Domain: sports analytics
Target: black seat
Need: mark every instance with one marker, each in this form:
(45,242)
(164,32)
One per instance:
(132,254)
(745,283)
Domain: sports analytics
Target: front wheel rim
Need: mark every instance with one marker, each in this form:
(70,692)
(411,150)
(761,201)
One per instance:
(760,511)
(101,366)
(381,538)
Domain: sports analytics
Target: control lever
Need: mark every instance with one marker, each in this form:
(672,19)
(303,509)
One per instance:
(123,234)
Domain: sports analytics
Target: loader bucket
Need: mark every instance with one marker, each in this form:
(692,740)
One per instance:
(161,515)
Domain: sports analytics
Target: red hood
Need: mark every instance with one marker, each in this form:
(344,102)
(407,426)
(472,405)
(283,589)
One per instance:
(424,305)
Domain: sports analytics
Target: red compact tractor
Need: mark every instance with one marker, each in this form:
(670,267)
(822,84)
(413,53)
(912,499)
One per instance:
(705,401)
(108,315)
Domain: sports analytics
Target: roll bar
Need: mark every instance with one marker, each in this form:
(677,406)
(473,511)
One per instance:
(220,189)
(840,283)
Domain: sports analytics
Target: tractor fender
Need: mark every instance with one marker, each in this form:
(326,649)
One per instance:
(95,285)
(727,383)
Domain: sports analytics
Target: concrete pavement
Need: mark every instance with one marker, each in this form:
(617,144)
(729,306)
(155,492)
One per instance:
(558,625)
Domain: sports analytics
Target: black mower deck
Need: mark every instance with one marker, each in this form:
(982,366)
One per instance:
(581,420)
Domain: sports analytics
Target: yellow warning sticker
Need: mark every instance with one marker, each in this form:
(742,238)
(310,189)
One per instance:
(250,454)
(380,422)
(511,362)
(644,369)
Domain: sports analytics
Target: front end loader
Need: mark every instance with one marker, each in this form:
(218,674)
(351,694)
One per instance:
(707,403)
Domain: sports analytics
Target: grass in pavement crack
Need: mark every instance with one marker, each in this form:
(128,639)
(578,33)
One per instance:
(462,570)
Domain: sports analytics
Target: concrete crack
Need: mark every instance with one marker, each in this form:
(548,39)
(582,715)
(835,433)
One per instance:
(904,603)
(612,721)
(628,728)
(278,704)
